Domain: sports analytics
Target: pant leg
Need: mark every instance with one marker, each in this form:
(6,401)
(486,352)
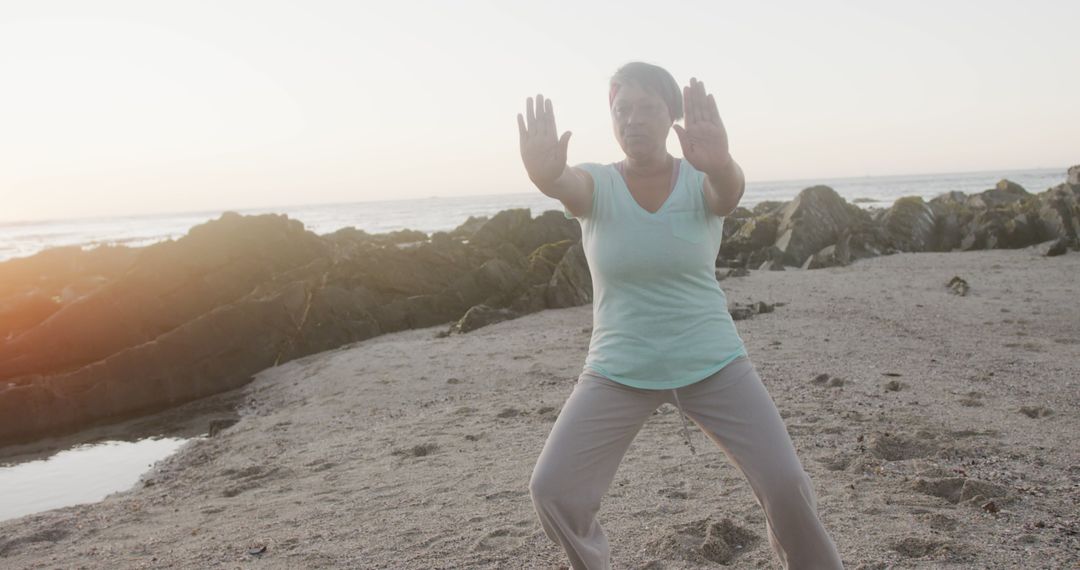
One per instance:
(734,408)
(579,461)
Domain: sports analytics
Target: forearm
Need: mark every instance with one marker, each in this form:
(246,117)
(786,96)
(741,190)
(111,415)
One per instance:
(569,183)
(724,188)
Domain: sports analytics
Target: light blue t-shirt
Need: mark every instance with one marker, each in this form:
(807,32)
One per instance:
(660,319)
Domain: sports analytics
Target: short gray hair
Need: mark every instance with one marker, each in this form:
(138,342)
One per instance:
(654,79)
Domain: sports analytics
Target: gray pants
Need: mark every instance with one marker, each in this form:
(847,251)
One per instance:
(601,418)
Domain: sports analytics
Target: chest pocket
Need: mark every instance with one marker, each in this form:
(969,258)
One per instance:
(687,225)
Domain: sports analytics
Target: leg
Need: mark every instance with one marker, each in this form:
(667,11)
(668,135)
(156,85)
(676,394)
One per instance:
(734,408)
(579,461)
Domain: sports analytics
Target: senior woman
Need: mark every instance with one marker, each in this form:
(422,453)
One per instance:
(651,229)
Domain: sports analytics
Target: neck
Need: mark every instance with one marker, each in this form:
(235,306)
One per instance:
(654,164)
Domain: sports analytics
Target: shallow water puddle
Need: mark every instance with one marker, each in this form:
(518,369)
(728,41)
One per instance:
(83,474)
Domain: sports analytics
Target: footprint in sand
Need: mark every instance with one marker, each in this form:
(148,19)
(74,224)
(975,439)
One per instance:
(938,521)
(1036,412)
(11,545)
(897,447)
(250,477)
(502,538)
(703,541)
(972,400)
(421,450)
(962,490)
(948,551)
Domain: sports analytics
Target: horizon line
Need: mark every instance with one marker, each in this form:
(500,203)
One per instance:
(17,222)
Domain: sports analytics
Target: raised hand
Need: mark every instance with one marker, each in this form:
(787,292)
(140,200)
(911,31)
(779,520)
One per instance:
(704,140)
(543,153)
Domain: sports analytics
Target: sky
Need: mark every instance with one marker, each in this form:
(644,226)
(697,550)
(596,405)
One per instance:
(119,108)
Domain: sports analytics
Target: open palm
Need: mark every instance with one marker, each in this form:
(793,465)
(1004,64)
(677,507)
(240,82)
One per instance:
(542,150)
(704,140)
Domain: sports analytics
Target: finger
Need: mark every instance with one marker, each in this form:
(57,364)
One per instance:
(703,98)
(714,113)
(530,117)
(541,118)
(688,106)
(695,104)
(550,113)
(681,133)
(522,132)
(703,103)
(564,144)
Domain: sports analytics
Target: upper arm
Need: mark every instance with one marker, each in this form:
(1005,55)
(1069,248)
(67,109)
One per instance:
(578,197)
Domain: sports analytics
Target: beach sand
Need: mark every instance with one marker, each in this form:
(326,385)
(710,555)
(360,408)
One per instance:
(944,436)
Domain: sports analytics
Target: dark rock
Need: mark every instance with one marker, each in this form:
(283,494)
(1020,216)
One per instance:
(467,229)
(515,226)
(1002,227)
(1059,247)
(827,257)
(482,316)
(571,282)
(218,426)
(863,240)
(33,288)
(740,212)
(168,284)
(958,286)
(952,214)
(1005,193)
(772,265)
(911,224)
(813,220)
(1074,177)
(1059,213)
(752,235)
(741,311)
(767,207)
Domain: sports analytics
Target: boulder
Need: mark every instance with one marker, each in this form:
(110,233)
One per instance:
(1006,192)
(517,227)
(469,228)
(752,235)
(827,257)
(911,224)
(814,219)
(481,316)
(209,354)
(34,288)
(740,213)
(1073,177)
(1059,247)
(1002,227)
(168,284)
(1059,213)
(766,207)
(571,282)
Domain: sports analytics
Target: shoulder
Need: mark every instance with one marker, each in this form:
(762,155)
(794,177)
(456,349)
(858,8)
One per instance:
(691,175)
(596,170)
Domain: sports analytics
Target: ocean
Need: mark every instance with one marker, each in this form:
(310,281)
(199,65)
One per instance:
(20,239)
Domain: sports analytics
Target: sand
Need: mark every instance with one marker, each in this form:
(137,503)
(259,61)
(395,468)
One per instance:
(945,435)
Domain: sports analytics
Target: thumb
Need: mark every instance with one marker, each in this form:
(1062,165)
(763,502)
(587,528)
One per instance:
(564,143)
(681,133)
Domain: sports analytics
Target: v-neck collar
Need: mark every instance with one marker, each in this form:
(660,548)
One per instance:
(676,175)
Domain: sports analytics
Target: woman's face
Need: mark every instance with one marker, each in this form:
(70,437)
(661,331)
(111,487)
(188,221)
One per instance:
(641,121)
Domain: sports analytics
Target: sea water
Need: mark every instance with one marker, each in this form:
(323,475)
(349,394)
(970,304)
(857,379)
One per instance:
(20,239)
(83,474)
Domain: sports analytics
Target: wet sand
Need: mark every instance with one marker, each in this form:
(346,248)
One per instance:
(939,430)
